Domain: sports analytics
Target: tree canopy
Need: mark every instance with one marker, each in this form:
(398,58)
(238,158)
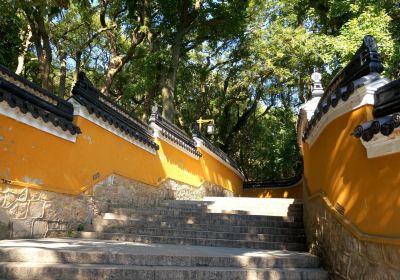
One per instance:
(244,63)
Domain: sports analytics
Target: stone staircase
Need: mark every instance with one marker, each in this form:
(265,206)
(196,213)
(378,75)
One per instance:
(218,238)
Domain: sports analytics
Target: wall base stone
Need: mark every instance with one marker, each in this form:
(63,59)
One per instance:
(30,213)
(342,254)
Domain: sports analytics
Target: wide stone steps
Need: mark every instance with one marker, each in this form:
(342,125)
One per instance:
(108,226)
(131,212)
(213,208)
(209,209)
(197,223)
(177,240)
(95,259)
(117,272)
(178,221)
(150,239)
(161,257)
(184,233)
(253,206)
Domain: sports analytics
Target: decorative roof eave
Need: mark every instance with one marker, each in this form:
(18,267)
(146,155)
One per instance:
(383,125)
(362,96)
(366,60)
(111,114)
(204,144)
(171,134)
(362,70)
(80,110)
(28,97)
(381,145)
(387,99)
(381,136)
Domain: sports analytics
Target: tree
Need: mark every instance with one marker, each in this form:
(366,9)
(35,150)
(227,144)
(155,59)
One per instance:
(10,44)
(246,64)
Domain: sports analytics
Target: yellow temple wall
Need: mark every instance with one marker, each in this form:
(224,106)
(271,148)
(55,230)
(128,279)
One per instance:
(36,159)
(294,191)
(337,167)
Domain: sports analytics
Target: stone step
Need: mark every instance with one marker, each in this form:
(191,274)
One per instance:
(33,271)
(204,217)
(297,215)
(104,225)
(229,205)
(208,234)
(239,204)
(273,260)
(231,221)
(150,239)
(74,250)
(219,209)
(96,259)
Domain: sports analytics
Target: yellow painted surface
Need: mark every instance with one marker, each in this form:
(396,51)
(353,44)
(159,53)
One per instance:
(295,191)
(217,173)
(47,162)
(368,189)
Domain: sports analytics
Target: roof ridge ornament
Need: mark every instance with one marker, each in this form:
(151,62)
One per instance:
(316,88)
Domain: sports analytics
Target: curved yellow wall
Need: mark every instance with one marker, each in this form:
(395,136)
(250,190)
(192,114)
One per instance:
(294,191)
(368,189)
(33,158)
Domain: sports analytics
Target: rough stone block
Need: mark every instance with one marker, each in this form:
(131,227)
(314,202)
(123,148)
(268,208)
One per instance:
(5,231)
(48,196)
(10,199)
(342,264)
(53,225)
(36,209)
(19,210)
(2,199)
(350,243)
(39,229)
(372,251)
(392,255)
(22,194)
(377,272)
(52,211)
(358,266)
(21,228)
(34,195)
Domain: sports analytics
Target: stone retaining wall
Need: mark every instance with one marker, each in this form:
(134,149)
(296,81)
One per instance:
(343,255)
(30,213)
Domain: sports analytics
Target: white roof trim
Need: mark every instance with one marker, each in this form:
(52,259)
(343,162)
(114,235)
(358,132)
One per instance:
(360,97)
(16,114)
(381,145)
(81,111)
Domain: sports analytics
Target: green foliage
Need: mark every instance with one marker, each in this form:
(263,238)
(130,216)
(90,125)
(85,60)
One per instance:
(70,233)
(81,227)
(10,42)
(246,64)
(270,147)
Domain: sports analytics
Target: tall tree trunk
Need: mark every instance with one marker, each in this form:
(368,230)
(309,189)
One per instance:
(148,101)
(118,61)
(25,46)
(78,62)
(168,89)
(45,58)
(63,73)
